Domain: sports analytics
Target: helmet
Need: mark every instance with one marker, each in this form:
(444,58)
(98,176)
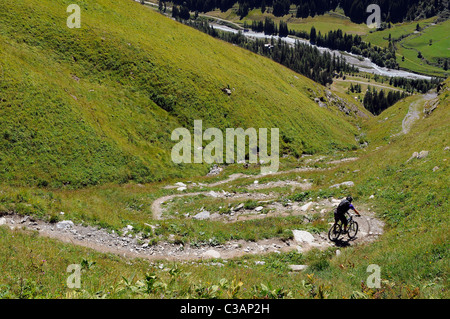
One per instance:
(349,198)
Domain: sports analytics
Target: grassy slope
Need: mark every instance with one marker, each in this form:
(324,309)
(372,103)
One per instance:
(412,254)
(86,106)
(410,45)
(440,41)
(328,22)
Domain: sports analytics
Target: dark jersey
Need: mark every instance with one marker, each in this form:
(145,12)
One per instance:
(343,207)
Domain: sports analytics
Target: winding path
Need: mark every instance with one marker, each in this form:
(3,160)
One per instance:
(132,245)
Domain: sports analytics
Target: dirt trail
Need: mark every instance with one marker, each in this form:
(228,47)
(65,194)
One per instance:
(131,244)
(128,245)
(157,204)
(415,111)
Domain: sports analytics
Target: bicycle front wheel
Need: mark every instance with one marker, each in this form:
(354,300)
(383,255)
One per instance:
(352,229)
(334,232)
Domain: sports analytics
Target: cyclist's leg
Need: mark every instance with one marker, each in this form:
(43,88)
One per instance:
(344,221)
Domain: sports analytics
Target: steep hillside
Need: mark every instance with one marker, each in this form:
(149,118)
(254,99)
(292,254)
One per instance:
(97,104)
(409,193)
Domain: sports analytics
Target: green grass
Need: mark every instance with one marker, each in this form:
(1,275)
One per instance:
(438,34)
(397,31)
(328,22)
(408,43)
(116,134)
(98,104)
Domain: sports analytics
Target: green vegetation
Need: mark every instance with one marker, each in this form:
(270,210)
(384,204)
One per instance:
(433,42)
(104,108)
(408,42)
(86,120)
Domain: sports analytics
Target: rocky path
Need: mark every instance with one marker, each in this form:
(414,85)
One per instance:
(157,204)
(130,244)
(415,112)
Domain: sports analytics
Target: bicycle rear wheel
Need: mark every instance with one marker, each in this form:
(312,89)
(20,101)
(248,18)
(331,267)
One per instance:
(352,229)
(334,232)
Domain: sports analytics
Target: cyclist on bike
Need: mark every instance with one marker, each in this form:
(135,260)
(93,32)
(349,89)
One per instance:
(343,207)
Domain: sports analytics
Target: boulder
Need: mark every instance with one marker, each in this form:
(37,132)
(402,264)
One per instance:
(2,221)
(202,215)
(259,208)
(214,170)
(181,184)
(302,236)
(211,254)
(348,184)
(213,194)
(65,224)
(306,206)
(422,154)
(298,267)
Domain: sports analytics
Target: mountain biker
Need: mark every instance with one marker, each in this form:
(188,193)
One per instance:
(343,207)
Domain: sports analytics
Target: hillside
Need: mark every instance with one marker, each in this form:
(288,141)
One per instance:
(86,178)
(98,104)
(188,258)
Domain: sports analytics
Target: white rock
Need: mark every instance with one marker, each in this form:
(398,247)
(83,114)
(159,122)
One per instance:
(372,196)
(180,184)
(259,262)
(422,154)
(2,221)
(338,252)
(298,267)
(181,188)
(302,236)
(259,208)
(129,227)
(65,224)
(202,215)
(213,194)
(211,254)
(348,184)
(306,206)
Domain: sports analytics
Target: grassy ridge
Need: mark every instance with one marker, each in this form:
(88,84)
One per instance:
(97,104)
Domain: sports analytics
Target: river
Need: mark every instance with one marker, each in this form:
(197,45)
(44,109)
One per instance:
(364,64)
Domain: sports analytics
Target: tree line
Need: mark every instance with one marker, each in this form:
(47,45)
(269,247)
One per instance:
(301,58)
(391,11)
(376,102)
(334,40)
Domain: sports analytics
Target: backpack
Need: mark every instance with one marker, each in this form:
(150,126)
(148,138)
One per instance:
(343,207)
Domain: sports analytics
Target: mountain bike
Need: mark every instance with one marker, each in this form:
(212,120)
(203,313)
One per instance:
(338,229)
